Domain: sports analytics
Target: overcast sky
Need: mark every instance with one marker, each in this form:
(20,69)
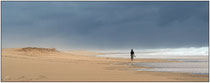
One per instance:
(105,25)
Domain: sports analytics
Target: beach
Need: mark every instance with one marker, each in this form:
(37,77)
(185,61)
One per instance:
(80,65)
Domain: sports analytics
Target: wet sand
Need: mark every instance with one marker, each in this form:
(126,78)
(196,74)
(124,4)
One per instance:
(76,66)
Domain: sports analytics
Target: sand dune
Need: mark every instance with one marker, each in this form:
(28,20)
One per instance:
(36,49)
(47,64)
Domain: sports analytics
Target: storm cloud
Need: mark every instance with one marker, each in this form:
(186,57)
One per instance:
(105,25)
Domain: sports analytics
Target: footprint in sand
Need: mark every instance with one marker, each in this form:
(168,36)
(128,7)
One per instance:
(21,77)
(40,77)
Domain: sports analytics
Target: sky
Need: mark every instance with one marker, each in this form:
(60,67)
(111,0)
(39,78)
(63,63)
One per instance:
(105,25)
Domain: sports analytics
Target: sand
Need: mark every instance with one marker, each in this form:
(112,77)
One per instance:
(38,65)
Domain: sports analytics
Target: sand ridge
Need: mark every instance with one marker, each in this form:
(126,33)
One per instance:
(36,49)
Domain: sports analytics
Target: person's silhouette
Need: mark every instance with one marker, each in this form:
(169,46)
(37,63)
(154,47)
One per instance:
(132,54)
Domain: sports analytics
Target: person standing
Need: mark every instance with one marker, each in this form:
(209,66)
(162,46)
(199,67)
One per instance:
(132,54)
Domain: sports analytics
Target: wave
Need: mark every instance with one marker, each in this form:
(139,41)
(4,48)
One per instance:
(179,51)
(166,51)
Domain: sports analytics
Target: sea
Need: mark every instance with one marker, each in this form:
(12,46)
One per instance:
(194,60)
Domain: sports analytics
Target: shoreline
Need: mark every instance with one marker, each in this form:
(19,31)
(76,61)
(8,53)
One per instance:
(17,66)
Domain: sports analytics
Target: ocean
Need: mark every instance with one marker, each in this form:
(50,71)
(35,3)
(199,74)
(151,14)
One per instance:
(192,60)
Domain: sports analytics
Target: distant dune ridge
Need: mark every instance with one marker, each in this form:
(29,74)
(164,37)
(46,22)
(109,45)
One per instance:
(38,51)
(28,49)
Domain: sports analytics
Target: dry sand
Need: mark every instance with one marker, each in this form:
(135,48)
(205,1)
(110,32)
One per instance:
(49,65)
